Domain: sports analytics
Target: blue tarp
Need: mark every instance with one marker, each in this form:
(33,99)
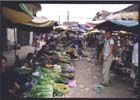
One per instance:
(82,30)
(83,26)
(125,23)
(119,25)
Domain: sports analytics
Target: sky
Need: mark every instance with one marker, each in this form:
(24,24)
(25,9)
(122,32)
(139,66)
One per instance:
(77,12)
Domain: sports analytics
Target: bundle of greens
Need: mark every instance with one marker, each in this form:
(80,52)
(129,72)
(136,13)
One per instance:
(41,91)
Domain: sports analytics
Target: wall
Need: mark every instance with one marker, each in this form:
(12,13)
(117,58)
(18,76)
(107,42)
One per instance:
(10,34)
(31,38)
(133,15)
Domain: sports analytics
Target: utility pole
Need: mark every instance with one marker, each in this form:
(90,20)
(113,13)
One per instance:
(138,67)
(68,18)
(59,19)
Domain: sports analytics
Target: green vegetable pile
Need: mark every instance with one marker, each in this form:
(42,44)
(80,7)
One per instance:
(41,91)
(44,85)
(52,81)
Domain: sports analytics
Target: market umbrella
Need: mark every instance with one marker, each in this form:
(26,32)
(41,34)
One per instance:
(93,31)
(84,27)
(108,25)
(49,23)
(18,7)
(125,32)
(60,28)
(15,16)
(116,25)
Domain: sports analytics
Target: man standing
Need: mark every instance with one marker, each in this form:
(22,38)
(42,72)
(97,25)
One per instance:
(107,54)
(135,67)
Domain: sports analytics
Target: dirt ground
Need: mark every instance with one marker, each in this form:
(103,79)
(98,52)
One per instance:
(87,74)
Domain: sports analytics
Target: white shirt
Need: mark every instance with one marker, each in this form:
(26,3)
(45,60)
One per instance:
(107,46)
(135,54)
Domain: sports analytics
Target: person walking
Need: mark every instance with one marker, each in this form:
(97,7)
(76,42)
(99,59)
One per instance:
(107,53)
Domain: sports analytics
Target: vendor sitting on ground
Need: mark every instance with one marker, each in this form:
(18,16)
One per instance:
(9,86)
(51,42)
(50,56)
(60,46)
(72,52)
(45,51)
(29,59)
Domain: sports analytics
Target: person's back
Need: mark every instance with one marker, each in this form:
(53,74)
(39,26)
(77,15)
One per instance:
(18,62)
(78,42)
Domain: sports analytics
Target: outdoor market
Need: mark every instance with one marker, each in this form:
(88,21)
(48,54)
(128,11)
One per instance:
(42,58)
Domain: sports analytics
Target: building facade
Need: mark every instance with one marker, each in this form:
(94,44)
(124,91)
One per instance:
(22,37)
(71,25)
(129,13)
(102,15)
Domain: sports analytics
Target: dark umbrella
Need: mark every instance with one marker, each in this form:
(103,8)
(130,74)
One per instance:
(108,25)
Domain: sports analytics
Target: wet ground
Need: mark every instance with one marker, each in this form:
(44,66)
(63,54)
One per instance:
(88,74)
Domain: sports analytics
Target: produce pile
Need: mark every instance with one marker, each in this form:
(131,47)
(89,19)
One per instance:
(52,80)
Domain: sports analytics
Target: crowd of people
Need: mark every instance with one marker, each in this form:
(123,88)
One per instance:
(110,50)
(49,54)
(119,53)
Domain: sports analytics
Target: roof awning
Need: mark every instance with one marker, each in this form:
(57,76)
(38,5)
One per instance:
(116,25)
(49,23)
(82,30)
(15,16)
(60,27)
(37,27)
(93,31)
(25,9)
(97,22)
(39,20)
(125,23)
(125,32)
(18,6)
(84,27)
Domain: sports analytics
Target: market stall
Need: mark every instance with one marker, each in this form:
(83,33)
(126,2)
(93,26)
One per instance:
(48,77)
(123,33)
(43,77)
(11,15)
